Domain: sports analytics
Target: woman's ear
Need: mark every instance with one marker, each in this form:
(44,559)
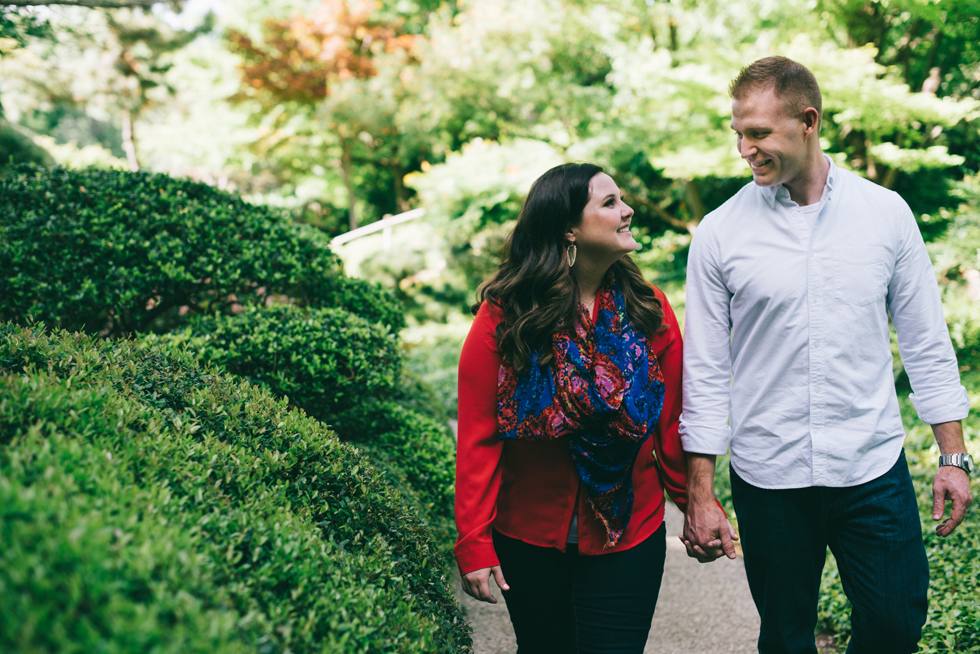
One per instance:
(570,235)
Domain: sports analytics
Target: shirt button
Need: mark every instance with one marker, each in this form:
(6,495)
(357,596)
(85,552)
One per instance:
(816,344)
(817,389)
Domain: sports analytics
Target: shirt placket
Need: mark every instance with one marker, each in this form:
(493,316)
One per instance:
(820,281)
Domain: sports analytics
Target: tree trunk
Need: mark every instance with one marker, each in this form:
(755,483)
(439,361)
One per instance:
(890,178)
(345,170)
(401,193)
(869,159)
(129,141)
(694,201)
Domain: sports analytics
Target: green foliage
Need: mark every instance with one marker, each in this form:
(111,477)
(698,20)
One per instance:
(471,201)
(417,451)
(116,252)
(17,24)
(431,353)
(17,148)
(148,503)
(339,368)
(323,360)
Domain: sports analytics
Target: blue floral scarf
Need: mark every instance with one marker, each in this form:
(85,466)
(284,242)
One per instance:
(603,391)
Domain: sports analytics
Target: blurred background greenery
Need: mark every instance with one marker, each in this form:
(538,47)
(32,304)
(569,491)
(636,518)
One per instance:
(341,112)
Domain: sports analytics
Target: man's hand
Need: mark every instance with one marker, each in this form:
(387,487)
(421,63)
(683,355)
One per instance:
(476,584)
(951,483)
(707,532)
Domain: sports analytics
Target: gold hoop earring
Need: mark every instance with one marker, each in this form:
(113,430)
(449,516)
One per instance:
(570,253)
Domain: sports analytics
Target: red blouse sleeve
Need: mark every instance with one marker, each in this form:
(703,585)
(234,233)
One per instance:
(478,449)
(669,349)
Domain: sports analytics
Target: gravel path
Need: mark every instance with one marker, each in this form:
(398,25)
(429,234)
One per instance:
(702,608)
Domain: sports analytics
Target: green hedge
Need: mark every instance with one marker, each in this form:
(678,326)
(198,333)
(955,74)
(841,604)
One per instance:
(147,503)
(345,372)
(323,360)
(418,452)
(115,252)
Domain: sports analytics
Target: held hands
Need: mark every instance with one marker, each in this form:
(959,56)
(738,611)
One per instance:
(951,483)
(476,584)
(707,533)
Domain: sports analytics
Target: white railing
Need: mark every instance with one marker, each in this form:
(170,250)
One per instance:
(384,226)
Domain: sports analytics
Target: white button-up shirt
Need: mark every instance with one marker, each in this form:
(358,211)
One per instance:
(787,353)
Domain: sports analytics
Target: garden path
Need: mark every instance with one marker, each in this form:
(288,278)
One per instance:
(702,608)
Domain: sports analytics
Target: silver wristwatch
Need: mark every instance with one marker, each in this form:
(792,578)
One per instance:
(961,460)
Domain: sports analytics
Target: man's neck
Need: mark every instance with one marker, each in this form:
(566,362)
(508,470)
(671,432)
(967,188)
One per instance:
(809,189)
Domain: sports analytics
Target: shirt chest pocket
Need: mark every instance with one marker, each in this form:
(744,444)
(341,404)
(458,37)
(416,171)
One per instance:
(859,274)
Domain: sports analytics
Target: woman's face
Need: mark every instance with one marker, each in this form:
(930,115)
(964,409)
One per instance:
(603,235)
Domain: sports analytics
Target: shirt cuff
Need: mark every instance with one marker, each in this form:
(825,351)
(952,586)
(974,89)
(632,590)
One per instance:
(943,406)
(705,440)
(476,557)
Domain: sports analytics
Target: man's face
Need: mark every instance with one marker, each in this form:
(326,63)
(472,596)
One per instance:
(770,139)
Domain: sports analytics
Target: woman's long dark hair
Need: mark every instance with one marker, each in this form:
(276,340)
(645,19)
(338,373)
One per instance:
(535,287)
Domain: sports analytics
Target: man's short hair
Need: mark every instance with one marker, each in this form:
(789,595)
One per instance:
(792,82)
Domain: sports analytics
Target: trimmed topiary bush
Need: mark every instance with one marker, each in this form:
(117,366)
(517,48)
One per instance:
(149,503)
(323,360)
(418,452)
(115,252)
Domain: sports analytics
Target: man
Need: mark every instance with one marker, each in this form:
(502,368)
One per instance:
(787,360)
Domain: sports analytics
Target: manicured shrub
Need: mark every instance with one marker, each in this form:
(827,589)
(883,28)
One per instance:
(115,252)
(323,360)
(417,451)
(152,504)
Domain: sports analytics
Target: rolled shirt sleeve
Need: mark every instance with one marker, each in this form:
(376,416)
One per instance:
(923,337)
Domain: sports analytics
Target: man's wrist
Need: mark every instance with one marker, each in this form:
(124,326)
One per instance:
(959,460)
(700,478)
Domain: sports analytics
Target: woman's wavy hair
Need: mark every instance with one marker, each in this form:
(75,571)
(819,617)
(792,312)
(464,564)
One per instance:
(535,287)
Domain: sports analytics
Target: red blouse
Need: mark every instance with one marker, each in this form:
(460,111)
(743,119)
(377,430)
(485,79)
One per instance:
(529,490)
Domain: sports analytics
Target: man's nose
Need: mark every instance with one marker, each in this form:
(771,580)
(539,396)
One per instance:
(745,148)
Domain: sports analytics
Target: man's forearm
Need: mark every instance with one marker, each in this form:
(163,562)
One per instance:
(701,477)
(949,437)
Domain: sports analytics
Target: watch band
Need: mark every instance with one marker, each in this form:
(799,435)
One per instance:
(960,460)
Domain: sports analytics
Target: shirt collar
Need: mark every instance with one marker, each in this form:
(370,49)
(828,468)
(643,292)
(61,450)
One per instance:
(774,194)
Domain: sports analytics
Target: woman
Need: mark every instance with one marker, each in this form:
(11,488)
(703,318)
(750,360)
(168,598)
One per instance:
(569,396)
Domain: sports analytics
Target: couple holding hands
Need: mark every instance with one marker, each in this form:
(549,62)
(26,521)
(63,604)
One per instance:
(579,407)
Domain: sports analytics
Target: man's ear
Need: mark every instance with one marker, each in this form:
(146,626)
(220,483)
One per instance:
(811,118)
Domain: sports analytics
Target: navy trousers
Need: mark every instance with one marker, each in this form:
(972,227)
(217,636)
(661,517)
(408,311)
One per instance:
(567,603)
(874,532)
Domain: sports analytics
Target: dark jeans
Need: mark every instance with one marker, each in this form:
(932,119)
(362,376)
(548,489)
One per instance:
(874,532)
(567,603)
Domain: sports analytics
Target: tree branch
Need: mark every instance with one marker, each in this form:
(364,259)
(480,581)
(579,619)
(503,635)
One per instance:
(110,4)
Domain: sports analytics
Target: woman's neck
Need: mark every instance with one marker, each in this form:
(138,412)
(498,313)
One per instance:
(589,279)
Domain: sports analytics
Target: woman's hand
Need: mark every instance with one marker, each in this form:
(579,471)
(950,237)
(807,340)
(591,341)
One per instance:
(476,584)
